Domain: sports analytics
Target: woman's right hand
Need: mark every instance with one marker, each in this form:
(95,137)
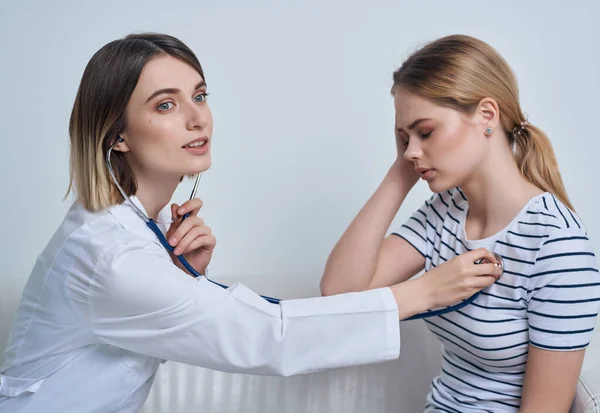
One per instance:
(447,284)
(403,168)
(190,237)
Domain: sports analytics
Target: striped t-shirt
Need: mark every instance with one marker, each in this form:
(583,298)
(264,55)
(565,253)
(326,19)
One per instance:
(548,296)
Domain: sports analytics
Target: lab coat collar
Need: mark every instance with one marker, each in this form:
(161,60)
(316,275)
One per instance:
(126,215)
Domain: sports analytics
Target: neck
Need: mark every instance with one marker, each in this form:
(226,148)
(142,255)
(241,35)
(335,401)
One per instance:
(155,193)
(496,194)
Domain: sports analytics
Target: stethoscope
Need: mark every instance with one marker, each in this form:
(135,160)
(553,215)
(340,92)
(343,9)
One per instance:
(163,240)
(154,227)
(499,263)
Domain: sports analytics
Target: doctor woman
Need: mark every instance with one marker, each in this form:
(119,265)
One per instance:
(106,303)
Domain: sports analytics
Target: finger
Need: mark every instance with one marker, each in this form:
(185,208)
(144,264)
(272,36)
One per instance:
(175,222)
(480,253)
(195,233)
(484,269)
(184,245)
(192,206)
(174,212)
(207,242)
(483,281)
(183,228)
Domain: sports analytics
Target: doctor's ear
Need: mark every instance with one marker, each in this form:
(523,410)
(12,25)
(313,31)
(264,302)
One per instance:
(121,144)
(489,115)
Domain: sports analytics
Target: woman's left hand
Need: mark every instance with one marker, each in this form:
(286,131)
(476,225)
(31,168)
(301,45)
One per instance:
(190,237)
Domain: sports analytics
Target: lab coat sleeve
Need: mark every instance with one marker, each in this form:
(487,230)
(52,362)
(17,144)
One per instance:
(140,301)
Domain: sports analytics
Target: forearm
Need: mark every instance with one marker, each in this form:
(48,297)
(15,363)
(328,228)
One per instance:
(237,331)
(412,297)
(353,261)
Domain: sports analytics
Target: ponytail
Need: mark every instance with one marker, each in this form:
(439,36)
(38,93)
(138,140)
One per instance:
(537,161)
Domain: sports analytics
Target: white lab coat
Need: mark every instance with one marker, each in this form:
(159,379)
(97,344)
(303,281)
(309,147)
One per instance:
(105,305)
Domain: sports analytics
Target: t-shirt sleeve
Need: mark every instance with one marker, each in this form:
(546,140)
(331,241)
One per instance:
(414,230)
(563,294)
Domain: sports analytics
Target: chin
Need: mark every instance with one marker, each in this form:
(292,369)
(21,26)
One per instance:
(438,186)
(199,167)
(205,165)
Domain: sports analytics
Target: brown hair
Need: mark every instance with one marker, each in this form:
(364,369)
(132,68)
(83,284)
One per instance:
(458,71)
(98,114)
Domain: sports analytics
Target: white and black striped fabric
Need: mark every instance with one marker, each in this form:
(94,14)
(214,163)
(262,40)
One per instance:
(548,297)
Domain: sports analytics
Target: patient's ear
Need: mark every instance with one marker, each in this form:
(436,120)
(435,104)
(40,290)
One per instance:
(488,115)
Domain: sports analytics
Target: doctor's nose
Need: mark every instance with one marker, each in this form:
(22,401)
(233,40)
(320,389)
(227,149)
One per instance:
(198,116)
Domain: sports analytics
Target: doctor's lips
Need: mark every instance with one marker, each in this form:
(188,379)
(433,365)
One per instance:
(198,146)
(425,173)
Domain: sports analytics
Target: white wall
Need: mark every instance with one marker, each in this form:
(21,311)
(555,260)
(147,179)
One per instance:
(303,115)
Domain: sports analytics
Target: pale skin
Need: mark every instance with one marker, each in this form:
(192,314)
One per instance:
(457,149)
(167,111)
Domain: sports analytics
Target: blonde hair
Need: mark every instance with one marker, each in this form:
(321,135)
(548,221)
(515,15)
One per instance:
(458,71)
(98,115)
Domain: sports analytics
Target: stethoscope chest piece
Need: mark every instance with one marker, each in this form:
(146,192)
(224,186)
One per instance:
(499,262)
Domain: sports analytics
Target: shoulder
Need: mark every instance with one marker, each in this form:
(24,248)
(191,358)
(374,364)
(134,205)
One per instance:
(137,276)
(84,242)
(84,238)
(550,221)
(544,217)
(565,243)
(548,210)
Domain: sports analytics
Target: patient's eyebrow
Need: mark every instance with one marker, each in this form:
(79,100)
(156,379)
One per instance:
(172,90)
(414,124)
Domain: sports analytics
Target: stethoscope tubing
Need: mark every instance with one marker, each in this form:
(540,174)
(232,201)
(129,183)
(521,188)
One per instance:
(163,240)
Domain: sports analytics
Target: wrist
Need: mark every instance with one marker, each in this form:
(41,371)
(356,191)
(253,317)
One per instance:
(395,186)
(413,297)
(178,263)
(402,176)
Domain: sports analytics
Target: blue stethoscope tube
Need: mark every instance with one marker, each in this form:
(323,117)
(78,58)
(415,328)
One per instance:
(427,314)
(154,227)
(163,240)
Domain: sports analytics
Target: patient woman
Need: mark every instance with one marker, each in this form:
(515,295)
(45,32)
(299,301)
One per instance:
(519,346)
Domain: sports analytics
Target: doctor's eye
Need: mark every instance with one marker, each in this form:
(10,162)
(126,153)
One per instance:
(201,97)
(165,106)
